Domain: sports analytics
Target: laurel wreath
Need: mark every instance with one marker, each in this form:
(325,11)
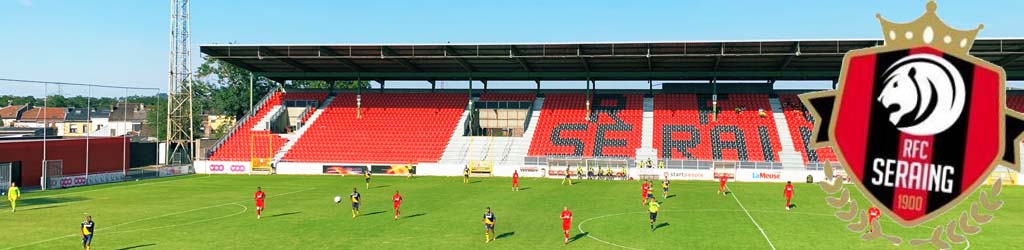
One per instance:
(858,224)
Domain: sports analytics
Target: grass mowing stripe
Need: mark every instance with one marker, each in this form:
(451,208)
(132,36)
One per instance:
(161,216)
(580,227)
(120,186)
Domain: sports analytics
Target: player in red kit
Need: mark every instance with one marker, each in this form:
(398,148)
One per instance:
(259,195)
(873,214)
(788,193)
(566,222)
(645,189)
(397,199)
(721,183)
(515,180)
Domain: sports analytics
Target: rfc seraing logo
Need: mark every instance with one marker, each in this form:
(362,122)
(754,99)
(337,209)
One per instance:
(918,124)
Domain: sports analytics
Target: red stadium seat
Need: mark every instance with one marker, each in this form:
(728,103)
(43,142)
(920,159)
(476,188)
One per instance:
(801,123)
(686,122)
(603,135)
(242,146)
(393,128)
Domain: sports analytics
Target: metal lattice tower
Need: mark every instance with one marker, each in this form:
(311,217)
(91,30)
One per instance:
(179,87)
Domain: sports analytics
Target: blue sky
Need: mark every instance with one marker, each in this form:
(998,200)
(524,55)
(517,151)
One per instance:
(126,42)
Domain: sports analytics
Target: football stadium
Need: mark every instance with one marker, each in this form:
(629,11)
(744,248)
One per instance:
(670,145)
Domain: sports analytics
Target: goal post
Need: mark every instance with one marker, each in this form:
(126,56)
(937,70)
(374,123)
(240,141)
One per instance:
(724,168)
(482,167)
(261,152)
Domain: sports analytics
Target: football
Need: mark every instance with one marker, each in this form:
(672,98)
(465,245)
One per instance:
(337,199)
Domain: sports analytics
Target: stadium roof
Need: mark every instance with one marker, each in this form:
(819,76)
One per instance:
(723,60)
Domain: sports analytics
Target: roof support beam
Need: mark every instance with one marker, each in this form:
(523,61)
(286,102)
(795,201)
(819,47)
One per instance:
(385,51)
(348,63)
(1009,59)
(586,64)
(241,64)
(291,62)
(789,58)
(514,53)
(718,59)
(583,60)
(448,51)
(650,63)
(573,75)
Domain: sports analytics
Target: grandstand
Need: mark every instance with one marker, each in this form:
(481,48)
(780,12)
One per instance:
(695,123)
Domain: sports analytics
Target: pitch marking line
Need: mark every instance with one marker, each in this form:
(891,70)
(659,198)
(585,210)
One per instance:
(161,216)
(752,220)
(580,225)
(30,208)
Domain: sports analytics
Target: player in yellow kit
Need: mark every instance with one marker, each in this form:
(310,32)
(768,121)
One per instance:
(88,228)
(652,209)
(13,194)
(366,175)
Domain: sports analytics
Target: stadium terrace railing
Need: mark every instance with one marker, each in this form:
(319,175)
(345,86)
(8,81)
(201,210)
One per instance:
(821,165)
(670,164)
(239,123)
(145,173)
(302,117)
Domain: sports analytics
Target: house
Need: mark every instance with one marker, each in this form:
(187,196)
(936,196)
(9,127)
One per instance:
(126,118)
(216,122)
(10,114)
(99,118)
(82,122)
(47,117)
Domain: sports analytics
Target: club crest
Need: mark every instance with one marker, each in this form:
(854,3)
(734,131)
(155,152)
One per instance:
(918,123)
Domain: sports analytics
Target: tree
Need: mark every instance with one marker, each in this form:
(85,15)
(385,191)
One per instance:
(156,119)
(15,100)
(229,87)
(320,84)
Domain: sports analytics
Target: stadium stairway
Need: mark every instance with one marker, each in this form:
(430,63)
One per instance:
(293,138)
(646,150)
(789,157)
(500,150)
(263,123)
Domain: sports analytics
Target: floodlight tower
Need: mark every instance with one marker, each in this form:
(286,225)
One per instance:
(179,87)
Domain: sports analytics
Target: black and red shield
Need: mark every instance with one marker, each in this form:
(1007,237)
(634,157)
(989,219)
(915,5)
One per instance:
(916,175)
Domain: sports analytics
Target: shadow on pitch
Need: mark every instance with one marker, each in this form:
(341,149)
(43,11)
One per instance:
(670,196)
(138,246)
(524,188)
(663,224)
(505,235)
(382,186)
(41,208)
(283,214)
(578,236)
(49,200)
(415,215)
(373,213)
(471,182)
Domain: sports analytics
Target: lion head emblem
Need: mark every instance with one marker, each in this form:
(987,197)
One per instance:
(923,93)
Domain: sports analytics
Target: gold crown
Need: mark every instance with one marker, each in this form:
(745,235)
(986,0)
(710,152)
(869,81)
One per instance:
(928,30)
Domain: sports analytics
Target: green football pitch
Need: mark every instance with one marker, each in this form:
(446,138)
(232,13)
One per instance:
(217,212)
